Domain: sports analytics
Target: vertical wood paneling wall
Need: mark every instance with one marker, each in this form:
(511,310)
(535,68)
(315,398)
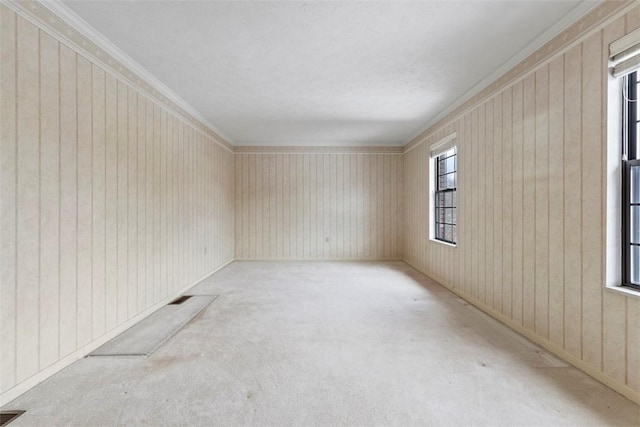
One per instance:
(318,206)
(531,212)
(110,202)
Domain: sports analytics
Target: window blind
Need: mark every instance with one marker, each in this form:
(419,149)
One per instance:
(443,145)
(624,54)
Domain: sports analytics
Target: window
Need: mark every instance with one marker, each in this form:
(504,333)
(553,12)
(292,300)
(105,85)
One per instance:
(630,183)
(444,170)
(623,129)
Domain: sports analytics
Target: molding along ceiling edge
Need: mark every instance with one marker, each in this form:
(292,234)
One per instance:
(567,31)
(67,27)
(258,149)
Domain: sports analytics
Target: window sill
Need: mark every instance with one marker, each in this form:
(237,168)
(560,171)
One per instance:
(624,291)
(451,245)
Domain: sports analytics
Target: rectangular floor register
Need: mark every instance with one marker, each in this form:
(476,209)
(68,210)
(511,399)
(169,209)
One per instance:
(147,336)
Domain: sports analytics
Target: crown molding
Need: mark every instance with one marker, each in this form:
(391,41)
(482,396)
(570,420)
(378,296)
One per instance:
(251,149)
(67,27)
(572,28)
(57,20)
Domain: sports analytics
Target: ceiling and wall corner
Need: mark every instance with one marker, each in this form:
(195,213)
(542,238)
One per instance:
(572,35)
(65,26)
(339,74)
(573,16)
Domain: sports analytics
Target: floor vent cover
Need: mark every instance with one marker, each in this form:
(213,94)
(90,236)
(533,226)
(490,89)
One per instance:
(7,416)
(180,300)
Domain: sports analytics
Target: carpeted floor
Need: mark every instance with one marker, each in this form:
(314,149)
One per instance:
(329,344)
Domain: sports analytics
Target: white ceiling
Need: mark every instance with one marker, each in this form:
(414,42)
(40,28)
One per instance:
(324,73)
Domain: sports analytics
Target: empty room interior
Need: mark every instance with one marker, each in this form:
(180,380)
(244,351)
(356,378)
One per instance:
(320,213)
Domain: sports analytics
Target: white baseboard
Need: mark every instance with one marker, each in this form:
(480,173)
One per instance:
(612,383)
(321,259)
(42,375)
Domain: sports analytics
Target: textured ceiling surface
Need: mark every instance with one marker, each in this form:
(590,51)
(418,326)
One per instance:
(321,73)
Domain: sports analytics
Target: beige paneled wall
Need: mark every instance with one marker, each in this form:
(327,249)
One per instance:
(531,195)
(318,206)
(111,203)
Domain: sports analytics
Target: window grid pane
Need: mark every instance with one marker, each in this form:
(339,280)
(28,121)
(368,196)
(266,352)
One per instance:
(631,184)
(445,196)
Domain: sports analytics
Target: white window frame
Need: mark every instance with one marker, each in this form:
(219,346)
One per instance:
(613,203)
(436,149)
